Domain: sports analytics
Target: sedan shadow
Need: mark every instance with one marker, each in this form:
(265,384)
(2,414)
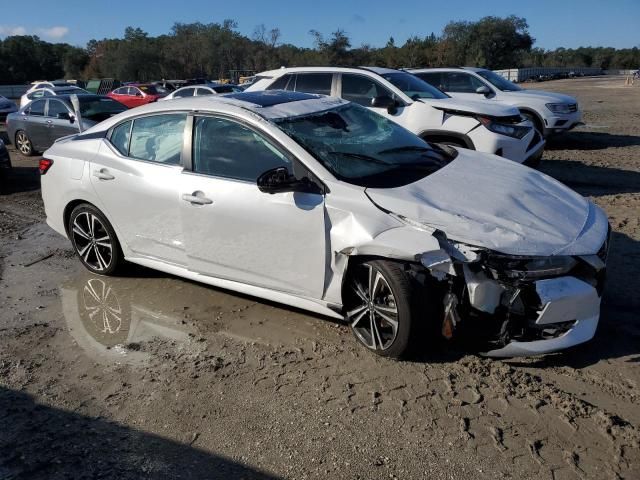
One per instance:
(587,140)
(41,442)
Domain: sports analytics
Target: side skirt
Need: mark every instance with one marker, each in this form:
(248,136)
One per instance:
(304,303)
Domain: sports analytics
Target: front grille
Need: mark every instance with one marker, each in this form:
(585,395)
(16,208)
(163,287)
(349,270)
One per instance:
(573,107)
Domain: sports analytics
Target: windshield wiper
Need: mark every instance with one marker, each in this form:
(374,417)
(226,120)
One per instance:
(406,148)
(361,156)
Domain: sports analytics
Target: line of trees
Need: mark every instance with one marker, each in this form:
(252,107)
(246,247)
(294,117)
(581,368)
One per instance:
(213,49)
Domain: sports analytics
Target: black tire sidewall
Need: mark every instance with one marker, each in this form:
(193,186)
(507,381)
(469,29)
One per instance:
(116,255)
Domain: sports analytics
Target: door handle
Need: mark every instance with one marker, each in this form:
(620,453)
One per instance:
(103,174)
(196,198)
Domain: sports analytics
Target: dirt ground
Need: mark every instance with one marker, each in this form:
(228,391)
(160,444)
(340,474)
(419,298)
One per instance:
(151,376)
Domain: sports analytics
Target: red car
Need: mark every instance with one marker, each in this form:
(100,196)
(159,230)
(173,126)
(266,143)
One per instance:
(136,95)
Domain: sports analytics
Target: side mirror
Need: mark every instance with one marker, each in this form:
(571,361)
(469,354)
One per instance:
(385,101)
(65,116)
(279,180)
(483,90)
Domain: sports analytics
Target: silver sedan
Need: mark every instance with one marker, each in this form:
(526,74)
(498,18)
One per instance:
(321,204)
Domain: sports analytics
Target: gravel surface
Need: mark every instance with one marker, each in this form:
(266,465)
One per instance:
(164,378)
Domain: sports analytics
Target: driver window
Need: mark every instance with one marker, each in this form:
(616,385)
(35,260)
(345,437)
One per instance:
(224,148)
(56,107)
(361,90)
(461,82)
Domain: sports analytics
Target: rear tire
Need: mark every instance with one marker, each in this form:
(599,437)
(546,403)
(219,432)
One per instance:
(23,143)
(94,240)
(384,321)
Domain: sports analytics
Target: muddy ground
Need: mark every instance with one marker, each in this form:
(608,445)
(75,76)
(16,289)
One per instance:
(151,376)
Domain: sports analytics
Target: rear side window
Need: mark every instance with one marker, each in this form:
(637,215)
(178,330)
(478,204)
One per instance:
(223,148)
(319,83)
(158,138)
(204,91)
(187,92)
(37,108)
(120,137)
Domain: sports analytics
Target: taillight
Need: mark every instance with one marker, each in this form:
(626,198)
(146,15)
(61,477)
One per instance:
(45,165)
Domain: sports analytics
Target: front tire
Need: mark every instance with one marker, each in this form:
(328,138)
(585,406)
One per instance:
(94,240)
(23,143)
(379,306)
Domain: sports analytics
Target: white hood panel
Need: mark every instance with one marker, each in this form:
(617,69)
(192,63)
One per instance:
(487,201)
(492,109)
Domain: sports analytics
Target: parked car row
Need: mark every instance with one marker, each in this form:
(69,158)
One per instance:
(434,116)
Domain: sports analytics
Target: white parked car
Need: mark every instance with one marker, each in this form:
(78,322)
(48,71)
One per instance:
(550,112)
(199,91)
(46,84)
(417,106)
(50,92)
(322,204)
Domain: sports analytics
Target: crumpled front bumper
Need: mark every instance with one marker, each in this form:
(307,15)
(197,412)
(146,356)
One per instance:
(563,299)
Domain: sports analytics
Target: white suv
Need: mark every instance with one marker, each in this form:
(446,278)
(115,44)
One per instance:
(550,112)
(417,106)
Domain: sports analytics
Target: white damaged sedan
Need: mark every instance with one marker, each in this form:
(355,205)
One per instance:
(321,204)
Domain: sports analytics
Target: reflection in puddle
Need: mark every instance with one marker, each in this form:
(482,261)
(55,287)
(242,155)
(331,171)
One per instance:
(110,316)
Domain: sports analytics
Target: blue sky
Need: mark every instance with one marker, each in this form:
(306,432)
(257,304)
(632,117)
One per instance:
(553,23)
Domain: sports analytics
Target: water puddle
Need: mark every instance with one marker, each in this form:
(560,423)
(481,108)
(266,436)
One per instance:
(110,317)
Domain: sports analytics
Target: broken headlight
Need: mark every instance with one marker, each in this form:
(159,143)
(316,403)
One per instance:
(515,131)
(529,268)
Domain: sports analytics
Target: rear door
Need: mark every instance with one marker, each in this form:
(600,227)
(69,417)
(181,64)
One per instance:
(236,232)
(36,126)
(59,127)
(136,175)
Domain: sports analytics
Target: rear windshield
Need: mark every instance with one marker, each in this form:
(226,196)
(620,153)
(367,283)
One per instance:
(151,89)
(72,91)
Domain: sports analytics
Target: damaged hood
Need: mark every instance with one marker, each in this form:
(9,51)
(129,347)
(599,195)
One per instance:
(487,201)
(473,106)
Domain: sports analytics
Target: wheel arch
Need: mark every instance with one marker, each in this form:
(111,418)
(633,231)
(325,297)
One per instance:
(436,136)
(541,124)
(66,215)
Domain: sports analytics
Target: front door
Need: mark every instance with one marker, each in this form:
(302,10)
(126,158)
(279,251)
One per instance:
(236,232)
(135,174)
(59,127)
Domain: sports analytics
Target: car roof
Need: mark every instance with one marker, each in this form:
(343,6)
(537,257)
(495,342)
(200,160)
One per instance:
(471,69)
(268,104)
(67,97)
(68,87)
(281,71)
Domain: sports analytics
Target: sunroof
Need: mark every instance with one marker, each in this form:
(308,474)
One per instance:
(268,98)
